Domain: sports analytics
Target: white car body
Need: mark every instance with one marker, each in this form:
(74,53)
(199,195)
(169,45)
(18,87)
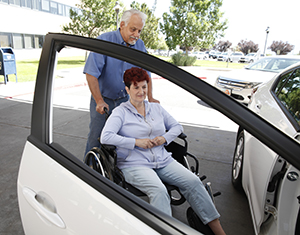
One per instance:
(250,58)
(223,57)
(240,82)
(235,57)
(200,55)
(274,206)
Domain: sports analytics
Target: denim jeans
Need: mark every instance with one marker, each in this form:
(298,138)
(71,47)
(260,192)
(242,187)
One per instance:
(98,120)
(149,181)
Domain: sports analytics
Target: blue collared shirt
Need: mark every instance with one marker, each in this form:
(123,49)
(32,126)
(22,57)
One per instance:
(108,70)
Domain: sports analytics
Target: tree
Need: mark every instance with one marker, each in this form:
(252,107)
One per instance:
(223,46)
(247,47)
(150,31)
(281,48)
(94,17)
(193,23)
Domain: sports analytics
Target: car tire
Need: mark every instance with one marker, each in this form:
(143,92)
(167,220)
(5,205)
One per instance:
(237,162)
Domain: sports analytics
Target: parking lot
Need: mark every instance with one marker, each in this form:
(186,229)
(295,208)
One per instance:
(211,138)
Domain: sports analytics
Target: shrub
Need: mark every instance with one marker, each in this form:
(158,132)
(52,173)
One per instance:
(181,59)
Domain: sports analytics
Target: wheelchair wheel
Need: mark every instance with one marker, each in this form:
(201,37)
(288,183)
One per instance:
(196,223)
(97,160)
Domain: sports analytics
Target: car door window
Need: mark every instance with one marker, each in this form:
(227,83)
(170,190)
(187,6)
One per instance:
(288,93)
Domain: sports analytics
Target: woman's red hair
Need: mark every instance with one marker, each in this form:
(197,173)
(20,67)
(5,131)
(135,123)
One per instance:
(135,75)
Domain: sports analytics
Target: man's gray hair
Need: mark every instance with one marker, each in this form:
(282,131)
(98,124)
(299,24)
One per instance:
(127,15)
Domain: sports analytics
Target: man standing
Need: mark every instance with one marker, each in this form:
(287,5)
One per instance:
(104,74)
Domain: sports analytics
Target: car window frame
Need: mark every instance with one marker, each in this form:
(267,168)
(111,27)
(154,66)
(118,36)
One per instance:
(278,101)
(40,134)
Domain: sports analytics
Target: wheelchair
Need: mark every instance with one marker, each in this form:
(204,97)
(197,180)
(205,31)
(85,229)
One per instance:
(104,161)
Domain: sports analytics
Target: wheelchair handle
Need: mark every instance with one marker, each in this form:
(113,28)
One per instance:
(106,112)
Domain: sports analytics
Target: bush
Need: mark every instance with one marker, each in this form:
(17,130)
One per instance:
(181,59)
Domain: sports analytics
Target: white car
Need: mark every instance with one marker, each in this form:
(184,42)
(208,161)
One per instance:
(271,183)
(235,57)
(200,55)
(239,83)
(59,194)
(250,58)
(223,56)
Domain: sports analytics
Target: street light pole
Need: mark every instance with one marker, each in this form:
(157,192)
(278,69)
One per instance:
(117,9)
(267,32)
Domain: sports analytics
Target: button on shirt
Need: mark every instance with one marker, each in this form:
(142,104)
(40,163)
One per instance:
(108,70)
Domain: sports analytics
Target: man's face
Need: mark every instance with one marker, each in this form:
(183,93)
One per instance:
(131,32)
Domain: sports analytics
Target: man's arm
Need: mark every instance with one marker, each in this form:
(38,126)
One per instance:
(150,97)
(94,88)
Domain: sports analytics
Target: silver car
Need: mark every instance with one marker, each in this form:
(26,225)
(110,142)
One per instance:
(239,83)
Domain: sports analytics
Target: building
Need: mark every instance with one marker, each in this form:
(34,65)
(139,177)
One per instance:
(26,22)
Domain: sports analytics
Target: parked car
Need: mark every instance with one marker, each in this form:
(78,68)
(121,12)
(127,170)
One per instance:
(212,54)
(59,194)
(239,83)
(223,56)
(251,57)
(271,183)
(235,57)
(200,55)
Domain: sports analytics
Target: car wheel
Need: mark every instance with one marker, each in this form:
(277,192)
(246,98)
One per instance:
(237,163)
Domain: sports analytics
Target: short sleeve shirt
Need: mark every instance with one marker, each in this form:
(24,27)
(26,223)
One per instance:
(108,70)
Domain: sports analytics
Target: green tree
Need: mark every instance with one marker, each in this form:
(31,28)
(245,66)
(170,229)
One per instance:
(150,31)
(93,18)
(193,23)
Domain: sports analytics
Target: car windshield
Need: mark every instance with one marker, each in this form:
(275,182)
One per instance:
(273,64)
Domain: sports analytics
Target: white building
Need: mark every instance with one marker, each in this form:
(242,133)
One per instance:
(26,22)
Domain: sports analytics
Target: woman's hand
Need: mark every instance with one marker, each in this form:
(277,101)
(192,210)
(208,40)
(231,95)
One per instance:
(144,143)
(159,140)
(148,144)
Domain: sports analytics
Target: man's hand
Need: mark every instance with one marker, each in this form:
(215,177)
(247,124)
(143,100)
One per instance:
(100,107)
(152,100)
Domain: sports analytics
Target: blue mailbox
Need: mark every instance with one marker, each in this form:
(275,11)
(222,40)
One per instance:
(7,63)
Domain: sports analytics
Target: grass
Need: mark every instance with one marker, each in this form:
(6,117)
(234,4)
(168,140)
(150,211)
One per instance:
(27,69)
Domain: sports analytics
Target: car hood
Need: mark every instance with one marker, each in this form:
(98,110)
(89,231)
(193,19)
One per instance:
(248,75)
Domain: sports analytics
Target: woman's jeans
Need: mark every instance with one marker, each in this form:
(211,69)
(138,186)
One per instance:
(98,120)
(149,181)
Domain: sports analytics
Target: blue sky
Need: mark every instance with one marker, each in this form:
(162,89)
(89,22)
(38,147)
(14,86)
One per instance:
(248,20)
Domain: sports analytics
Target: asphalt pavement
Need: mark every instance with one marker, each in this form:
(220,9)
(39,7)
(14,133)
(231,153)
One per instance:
(211,137)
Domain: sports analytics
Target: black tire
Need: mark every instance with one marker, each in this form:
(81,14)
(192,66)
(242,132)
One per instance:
(196,223)
(237,162)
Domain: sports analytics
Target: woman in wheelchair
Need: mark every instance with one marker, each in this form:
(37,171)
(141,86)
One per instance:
(138,130)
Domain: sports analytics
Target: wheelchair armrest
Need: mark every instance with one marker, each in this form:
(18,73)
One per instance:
(109,147)
(182,136)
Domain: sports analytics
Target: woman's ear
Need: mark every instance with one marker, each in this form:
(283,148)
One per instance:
(127,89)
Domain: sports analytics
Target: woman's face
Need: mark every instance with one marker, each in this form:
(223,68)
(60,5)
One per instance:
(138,92)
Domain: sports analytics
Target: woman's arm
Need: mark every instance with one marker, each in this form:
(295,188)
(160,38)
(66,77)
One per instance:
(111,129)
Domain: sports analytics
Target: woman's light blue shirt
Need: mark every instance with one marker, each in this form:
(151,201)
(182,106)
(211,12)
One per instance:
(125,125)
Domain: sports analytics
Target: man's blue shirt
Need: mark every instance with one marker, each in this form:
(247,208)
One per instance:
(108,70)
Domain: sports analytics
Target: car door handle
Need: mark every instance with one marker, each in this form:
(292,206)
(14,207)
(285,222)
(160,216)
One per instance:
(44,205)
